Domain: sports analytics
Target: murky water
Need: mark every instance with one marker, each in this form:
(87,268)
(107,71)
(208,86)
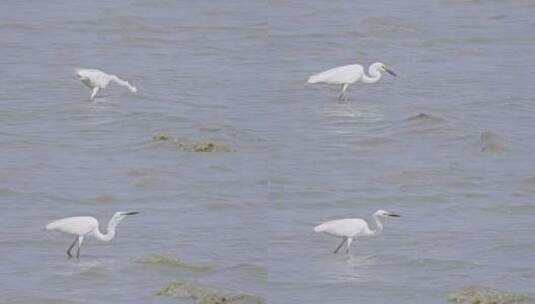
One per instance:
(448,145)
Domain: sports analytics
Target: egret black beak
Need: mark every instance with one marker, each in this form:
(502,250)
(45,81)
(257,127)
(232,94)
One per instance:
(131,213)
(394,215)
(391,72)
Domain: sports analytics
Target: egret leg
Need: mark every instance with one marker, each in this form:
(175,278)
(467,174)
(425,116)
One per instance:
(80,241)
(349,240)
(94,93)
(343,93)
(70,247)
(340,246)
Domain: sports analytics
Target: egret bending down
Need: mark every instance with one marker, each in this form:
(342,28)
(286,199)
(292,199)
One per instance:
(81,226)
(97,80)
(348,74)
(348,229)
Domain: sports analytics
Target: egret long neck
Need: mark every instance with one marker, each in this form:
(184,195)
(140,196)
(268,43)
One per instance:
(121,82)
(375,75)
(110,233)
(379,225)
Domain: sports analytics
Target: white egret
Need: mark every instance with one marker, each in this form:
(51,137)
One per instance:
(97,80)
(348,74)
(349,229)
(81,226)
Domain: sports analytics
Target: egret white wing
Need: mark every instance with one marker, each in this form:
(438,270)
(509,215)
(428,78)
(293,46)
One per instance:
(79,225)
(340,75)
(342,227)
(93,77)
(90,73)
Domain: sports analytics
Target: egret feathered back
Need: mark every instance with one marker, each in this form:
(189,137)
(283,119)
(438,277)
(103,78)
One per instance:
(343,227)
(78,225)
(339,75)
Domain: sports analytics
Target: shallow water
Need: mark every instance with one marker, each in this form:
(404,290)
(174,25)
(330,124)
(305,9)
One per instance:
(448,145)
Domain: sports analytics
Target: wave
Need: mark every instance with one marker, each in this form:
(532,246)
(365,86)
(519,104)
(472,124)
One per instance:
(18,27)
(167,261)
(7,192)
(424,117)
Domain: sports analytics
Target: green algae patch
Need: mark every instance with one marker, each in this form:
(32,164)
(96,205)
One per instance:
(484,295)
(104,198)
(490,143)
(136,173)
(203,294)
(172,262)
(160,136)
(187,146)
(203,147)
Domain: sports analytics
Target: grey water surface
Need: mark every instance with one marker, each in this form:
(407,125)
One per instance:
(449,145)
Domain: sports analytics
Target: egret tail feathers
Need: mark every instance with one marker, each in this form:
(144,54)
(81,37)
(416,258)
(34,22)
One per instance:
(51,226)
(314,79)
(320,228)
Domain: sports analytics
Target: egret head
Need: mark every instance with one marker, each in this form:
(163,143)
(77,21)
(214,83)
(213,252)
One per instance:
(385,213)
(382,67)
(119,216)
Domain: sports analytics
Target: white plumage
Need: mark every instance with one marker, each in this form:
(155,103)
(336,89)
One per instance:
(98,80)
(353,228)
(345,227)
(348,74)
(340,75)
(81,226)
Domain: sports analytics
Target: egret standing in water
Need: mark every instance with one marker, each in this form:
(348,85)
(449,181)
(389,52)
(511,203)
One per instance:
(97,80)
(349,229)
(81,226)
(348,74)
